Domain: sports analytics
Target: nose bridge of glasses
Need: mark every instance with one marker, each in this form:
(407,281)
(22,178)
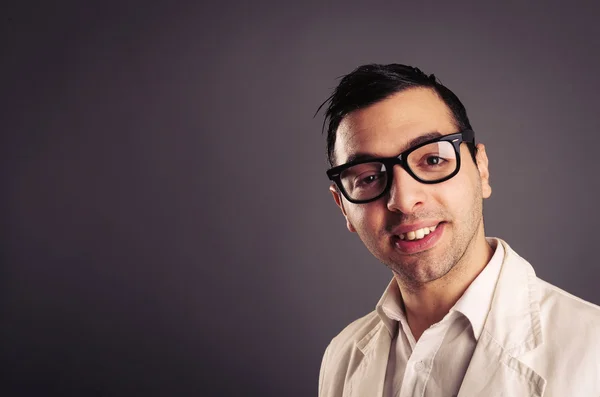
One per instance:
(404,190)
(394,161)
(399,160)
(398,175)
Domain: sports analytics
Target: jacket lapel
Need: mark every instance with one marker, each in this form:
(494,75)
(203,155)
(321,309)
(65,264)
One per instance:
(512,328)
(370,360)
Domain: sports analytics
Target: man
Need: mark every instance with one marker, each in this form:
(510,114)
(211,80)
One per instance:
(464,314)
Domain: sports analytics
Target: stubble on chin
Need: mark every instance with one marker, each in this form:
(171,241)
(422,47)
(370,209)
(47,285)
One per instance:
(413,274)
(415,270)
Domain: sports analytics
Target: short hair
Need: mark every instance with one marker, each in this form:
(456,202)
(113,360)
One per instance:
(372,83)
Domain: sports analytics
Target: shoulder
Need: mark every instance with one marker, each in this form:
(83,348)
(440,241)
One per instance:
(338,354)
(342,346)
(562,308)
(355,332)
(556,305)
(565,323)
(570,329)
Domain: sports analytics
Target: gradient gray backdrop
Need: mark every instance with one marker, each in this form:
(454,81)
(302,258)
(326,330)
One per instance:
(166,225)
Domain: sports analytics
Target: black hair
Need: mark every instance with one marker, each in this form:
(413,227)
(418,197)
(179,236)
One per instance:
(369,84)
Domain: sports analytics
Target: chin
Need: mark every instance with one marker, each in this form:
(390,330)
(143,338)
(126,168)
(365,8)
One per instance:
(418,270)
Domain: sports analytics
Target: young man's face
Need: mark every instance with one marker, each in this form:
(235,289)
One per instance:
(454,206)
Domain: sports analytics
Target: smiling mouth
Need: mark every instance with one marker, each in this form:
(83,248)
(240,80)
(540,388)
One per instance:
(417,234)
(418,240)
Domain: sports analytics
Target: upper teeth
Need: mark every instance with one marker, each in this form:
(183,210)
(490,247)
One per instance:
(417,234)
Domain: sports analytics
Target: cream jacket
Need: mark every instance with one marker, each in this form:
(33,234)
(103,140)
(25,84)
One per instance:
(537,341)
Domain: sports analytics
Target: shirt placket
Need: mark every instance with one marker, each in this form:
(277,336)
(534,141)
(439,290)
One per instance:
(420,362)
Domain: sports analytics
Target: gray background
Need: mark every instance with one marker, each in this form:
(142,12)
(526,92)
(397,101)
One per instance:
(166,225)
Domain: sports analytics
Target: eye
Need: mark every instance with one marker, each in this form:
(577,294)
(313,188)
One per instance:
(434,160)
(369,179)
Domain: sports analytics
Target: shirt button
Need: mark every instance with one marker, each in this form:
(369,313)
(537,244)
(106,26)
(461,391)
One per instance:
(420,366)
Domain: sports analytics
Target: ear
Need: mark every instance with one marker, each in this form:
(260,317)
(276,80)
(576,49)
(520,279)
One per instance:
(484,173)
(337,197)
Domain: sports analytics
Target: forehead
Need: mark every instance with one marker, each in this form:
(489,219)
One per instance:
(385,128)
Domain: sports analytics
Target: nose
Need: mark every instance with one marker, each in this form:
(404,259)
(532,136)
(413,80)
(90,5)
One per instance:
(406,194)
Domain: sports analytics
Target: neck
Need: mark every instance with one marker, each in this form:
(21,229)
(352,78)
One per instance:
(430,302)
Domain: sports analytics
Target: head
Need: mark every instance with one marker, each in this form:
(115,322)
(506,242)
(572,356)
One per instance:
(380,111)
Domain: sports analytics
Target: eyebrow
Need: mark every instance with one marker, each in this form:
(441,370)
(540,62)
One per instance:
(359,156)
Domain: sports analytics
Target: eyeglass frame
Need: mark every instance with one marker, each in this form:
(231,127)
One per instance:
(334,173)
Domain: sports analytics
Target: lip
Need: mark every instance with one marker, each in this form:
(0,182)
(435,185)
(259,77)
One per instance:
(414,246)
(403,229)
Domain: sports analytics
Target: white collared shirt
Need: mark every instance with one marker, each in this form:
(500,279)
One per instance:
(436,364)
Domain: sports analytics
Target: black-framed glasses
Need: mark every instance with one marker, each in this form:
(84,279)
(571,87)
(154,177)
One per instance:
(434,161)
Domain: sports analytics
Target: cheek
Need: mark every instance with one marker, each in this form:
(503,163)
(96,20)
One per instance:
(459,196)
(367,218)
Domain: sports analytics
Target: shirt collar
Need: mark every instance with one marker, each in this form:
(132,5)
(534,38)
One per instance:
(391,308)
(474,304)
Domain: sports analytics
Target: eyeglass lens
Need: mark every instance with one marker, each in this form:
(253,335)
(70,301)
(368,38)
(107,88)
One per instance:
(430,163)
